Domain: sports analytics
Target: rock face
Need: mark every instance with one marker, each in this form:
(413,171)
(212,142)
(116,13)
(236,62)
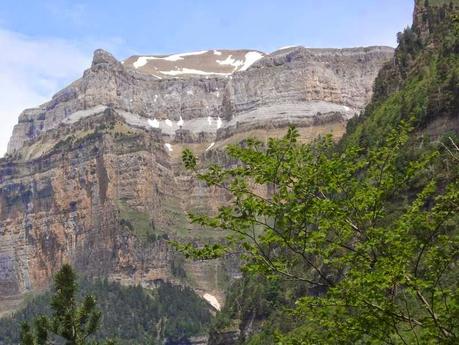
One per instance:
(291,84)
(93,177)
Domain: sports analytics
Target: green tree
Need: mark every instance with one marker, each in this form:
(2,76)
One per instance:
(74,322)
(373,234)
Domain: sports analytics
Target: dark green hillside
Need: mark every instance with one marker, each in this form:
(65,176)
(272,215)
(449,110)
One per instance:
(131,315)
(422,82)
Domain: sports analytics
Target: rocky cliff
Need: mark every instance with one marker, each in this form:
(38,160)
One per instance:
(93,177)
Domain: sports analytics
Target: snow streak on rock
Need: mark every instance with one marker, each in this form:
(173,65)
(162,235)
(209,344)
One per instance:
(212,301)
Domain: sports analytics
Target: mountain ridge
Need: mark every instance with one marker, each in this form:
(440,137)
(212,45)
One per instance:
(94,177)
(108,82)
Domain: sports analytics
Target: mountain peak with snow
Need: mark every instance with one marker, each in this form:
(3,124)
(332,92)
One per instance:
(202,63)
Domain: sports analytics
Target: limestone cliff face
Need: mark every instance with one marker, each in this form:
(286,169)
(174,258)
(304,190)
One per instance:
(93,177)
(107,199)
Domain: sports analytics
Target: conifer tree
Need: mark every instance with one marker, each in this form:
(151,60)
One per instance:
(74,322)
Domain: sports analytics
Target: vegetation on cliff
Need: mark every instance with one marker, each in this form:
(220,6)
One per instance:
(422,81)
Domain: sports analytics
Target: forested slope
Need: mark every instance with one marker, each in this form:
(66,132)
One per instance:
(131,315)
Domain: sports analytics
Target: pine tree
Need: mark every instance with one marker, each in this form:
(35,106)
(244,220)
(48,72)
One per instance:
(74,322)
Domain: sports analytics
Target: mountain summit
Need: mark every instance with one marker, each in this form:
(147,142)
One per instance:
(201,63)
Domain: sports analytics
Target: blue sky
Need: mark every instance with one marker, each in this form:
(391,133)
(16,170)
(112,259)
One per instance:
(45,44)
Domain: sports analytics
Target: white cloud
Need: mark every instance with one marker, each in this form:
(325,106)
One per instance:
(31,71)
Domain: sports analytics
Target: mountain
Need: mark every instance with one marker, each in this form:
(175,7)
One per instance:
(290,85)
(93,177)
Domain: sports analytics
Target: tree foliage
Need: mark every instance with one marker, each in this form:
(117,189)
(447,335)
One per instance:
(372,234)
(71,321)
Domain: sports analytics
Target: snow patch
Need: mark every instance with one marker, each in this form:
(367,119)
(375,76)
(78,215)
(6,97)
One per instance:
(176,57)
(189,92)
(250,59)
(180,122)
(168,147)
(168,122)
(142,60)
(191,71)
(218,121)
(230,61)
(212,301)
(153,123)
(237,64)
(210,146)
